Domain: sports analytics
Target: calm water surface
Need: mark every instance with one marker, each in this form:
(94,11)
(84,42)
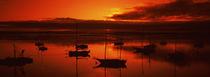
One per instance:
(55,61)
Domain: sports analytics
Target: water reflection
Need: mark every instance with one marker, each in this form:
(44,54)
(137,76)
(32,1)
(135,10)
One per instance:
(148,58)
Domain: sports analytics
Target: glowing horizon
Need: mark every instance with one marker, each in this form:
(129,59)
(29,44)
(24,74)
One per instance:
(20,10)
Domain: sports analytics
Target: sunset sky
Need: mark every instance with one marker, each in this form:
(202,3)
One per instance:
(105,9)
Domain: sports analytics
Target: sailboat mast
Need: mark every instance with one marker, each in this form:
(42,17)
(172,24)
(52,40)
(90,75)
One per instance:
(105,44)
(14,51)
(120,52)
(76,37)
(142,65)
(175,60)
(76,66)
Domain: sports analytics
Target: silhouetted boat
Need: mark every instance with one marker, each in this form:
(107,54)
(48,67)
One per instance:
(118,43)
(199,45)
(43,48)
(16,61)
(176,56)
(13,61)
(163,43)
(150,46)
(39,44)
(79,53)
(146,49)
(81,46)
(112,63)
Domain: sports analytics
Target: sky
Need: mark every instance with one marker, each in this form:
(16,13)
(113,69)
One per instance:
(12,10)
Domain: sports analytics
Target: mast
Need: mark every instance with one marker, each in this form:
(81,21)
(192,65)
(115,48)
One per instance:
(105,52)
(77,74)
(76,37)
(14,51)
(142,65)
(175,60)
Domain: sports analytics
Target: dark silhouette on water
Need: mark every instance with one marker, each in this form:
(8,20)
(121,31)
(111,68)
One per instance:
(43,48)
(163,43)
(199,45)
(111,63)
(79,53)
(177,58)
(19,61)
(16,61)
(81,46)
(39,44)
(148,49)
(118,43)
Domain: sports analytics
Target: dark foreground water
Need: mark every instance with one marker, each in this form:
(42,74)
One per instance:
(193,59)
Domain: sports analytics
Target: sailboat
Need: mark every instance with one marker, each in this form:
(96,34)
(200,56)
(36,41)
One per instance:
(176,55)
(79,53)
(118,43)
(79,49)
(16,61)
(111,63)
(146,49)
(163,43)
(39,44)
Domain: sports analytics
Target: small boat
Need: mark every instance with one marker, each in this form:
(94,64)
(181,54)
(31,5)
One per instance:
(118,43)
(147,49)
(39,44)
(81,46)
(112,63)
(199,45)
(79,53)
(150,46)
(13,61)
(163,43)
(43,48)
(176,56)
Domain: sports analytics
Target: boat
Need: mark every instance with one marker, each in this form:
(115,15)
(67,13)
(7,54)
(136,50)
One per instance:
(39,44)
(81,46)
(16,61)
(150,46)
(118,43)
(163,43)
(79,53)
(146,49)
(199,45)
(176,56)
(112,63)
(43,48)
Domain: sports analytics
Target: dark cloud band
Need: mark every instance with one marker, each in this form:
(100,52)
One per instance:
(181,9)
